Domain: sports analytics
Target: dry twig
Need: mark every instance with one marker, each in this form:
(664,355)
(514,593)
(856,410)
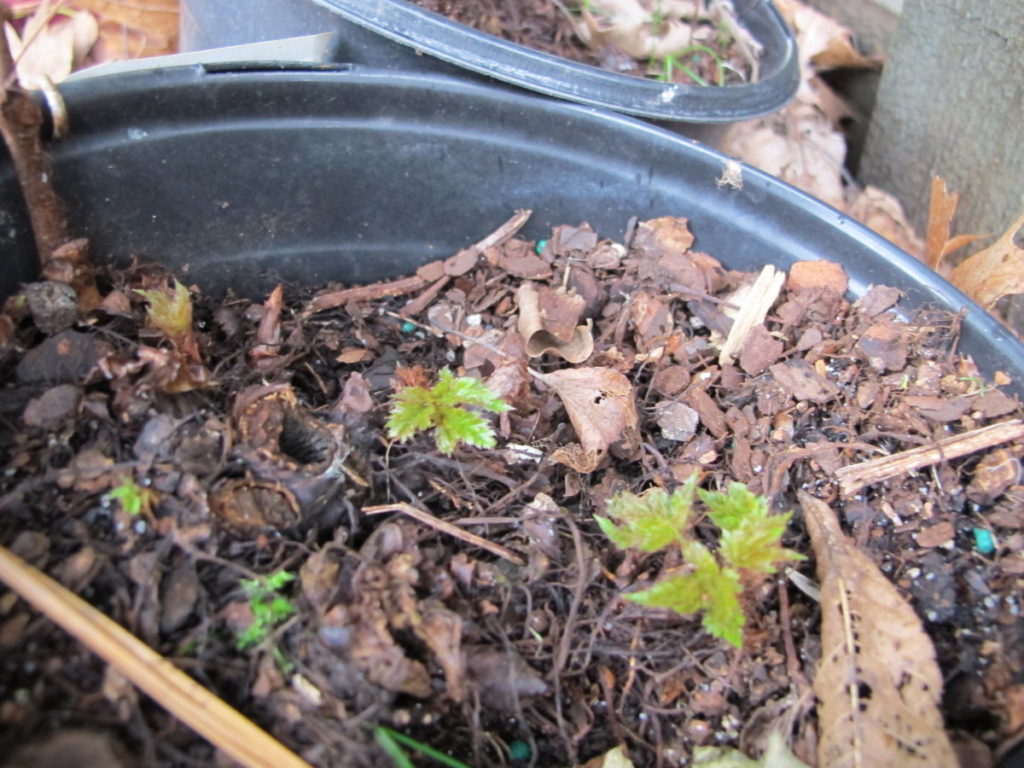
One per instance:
(855,476)
(445,527)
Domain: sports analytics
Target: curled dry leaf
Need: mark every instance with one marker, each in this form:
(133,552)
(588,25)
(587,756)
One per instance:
(55,45)
(993,272)
(878,684)
(268,335)
(600,405)
(548,320)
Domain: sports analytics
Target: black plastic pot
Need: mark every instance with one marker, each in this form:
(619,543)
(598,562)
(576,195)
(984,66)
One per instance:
(242,178)
(394,34)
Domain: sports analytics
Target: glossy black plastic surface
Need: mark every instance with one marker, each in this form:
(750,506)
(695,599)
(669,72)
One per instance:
(240,178)
(395,34)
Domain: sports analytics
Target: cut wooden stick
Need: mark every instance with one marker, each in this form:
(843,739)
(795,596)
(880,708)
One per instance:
(753,309)
(855,476)
(452,530)
(226,728)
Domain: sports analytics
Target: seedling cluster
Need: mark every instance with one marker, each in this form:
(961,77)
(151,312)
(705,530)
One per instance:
(750,542)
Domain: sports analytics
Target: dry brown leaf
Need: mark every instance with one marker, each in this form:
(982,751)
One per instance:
(878,684)
(600,405)
(882,212)
(132,29)
(800,146)
(55,46)
(158,19)
(993,272)
(941,208)
(548,320)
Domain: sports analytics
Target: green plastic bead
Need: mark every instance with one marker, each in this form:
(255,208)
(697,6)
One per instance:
(408,327)
(983,541)
(541,244)
(518,750)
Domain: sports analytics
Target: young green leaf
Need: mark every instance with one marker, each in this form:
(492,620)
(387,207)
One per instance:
(133,498)
(416,409)
(751,535)
(170,313)
(728,510)
(651,521)
(706,587)
(269,608)
(756,544)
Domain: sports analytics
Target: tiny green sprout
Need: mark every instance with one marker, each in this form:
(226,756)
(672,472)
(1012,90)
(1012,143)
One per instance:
(393,741)
(170,313)
(269,607)
(750,542)
(134,499)
(441,407)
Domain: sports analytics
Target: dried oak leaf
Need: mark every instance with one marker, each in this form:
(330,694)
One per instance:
(878,684)
(600,405)
(993,272)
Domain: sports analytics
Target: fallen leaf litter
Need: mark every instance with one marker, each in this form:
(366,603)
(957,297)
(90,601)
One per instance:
(514,630)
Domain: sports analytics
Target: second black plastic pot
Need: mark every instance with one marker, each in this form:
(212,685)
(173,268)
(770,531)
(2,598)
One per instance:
(395,34)
(241,178)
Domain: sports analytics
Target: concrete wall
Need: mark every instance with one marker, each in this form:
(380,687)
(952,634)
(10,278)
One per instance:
(951,102)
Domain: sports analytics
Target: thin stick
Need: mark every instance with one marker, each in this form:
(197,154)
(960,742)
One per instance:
(334,299)
(855,476)
(445,527)
(415,282)
(20,124)
(227,729)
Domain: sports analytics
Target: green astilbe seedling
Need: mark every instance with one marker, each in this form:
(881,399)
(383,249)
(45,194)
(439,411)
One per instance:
(269,607)
(443,408)
(750,542)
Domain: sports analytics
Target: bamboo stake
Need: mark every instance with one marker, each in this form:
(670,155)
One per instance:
(226,728)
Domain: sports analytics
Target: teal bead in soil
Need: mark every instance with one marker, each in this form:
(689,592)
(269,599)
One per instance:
(984,543)
(408,327)
(518,750)
(539,248)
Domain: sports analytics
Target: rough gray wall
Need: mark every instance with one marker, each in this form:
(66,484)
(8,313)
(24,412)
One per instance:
(951,102)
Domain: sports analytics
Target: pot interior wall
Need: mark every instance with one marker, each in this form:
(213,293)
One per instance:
(239,179)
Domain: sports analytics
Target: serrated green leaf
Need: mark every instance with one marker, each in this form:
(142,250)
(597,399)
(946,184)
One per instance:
(416,409)
(465,426)
(727,510)
(724,616)
(706,587)
(651,521)
(412,412)
(756,544)
(465,390)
